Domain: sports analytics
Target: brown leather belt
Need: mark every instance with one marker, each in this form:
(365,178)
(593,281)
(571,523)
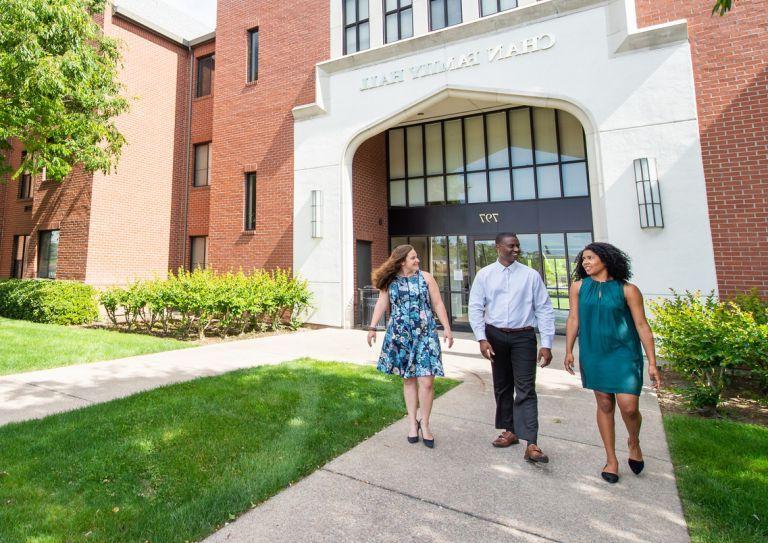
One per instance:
(512,330)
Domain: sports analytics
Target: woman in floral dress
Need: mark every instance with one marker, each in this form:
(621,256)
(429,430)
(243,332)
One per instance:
(411,348)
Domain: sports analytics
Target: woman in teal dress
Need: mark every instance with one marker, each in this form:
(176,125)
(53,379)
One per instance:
(608,316)
(411,348)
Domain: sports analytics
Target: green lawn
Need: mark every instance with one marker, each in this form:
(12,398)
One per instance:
(722,475)
(27,346)
(175,463)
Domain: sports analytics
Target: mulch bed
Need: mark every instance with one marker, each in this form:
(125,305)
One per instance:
(743,400)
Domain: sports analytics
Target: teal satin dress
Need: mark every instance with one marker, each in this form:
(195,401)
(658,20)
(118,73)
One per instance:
(610,353)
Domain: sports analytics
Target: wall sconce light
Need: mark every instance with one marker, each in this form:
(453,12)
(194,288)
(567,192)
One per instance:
(317,213)
(648,193)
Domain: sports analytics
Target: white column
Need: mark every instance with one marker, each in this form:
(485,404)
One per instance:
(337,28)
(470,10)
(376,15)
(420,17)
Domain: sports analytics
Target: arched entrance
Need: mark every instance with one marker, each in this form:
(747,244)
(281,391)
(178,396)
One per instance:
(452,175)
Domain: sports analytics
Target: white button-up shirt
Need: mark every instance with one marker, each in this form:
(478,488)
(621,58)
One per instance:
(511,297)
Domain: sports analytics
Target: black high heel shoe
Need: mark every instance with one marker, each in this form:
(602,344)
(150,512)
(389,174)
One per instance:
(415,439)
(427,442)
(636,465)
(612,478)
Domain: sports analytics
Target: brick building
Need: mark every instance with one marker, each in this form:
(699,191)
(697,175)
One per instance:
(317,137)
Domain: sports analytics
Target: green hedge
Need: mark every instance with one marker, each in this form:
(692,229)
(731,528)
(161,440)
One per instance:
(201,303)
(52,302)
(704,339)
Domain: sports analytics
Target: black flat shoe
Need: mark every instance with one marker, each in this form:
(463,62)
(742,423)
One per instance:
(430,443)
(636,466)
(609,477)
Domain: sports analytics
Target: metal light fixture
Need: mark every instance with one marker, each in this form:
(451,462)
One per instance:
(648,193)
(317,213)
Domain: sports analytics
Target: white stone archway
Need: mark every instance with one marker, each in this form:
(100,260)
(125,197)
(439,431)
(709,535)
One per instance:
(492,98)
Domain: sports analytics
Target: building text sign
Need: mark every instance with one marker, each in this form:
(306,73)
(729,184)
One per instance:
(497,53)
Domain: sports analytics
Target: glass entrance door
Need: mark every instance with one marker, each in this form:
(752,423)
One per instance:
(455,260)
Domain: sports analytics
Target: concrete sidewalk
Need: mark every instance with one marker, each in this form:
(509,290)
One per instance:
(388,490)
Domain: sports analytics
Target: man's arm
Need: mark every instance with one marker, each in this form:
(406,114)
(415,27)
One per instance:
(545,315)
(477,307)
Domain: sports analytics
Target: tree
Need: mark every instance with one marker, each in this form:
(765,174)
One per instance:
(722,7)
(59,87)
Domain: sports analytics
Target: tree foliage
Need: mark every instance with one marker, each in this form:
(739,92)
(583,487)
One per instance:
(59,87)
(722,7)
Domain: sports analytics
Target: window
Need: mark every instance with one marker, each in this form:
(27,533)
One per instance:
(398,20)
(357,30)
(25,182)
(20,244)
(253,55)
(444,13)
(520,153)
(205,69)
(48,254)
(489,7)
(250,201)
(202,165)
(198,252)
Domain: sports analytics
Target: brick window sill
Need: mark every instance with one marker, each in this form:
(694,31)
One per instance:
(25,200)
(202,98)
(249,232)
(199,187)
(252,83)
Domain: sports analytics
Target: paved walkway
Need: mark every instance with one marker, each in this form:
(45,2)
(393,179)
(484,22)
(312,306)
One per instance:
(388,490)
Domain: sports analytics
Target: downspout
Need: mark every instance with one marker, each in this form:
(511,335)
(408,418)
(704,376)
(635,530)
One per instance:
(3,210)
(186,166)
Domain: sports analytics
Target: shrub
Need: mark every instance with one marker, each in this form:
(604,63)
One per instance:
(52,302)
(704,338)
(751,302)
(201,302)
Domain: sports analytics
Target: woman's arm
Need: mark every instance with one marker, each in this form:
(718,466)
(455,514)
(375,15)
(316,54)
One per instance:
(635,302)
(382,304)
(439,307)
(572,325)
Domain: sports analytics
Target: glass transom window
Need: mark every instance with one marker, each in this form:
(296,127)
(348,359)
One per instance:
(521,153)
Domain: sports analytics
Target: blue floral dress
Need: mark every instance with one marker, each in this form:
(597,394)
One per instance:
(411,347)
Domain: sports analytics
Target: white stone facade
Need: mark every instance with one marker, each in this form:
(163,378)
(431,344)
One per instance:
(633,92)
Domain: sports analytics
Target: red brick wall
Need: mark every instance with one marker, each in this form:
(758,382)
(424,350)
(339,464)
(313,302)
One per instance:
(137,213)
(63,206)
(730,61)
(202,132)
(369,199)
(13,219)
(253,125)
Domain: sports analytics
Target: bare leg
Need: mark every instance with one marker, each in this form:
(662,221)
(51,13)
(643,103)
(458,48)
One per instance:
(606,408)
(426,395)
(411,395)
(629,406)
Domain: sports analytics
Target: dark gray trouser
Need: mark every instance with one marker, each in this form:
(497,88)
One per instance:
(514,382)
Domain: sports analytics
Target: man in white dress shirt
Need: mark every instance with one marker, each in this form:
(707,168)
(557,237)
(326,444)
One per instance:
(508,299)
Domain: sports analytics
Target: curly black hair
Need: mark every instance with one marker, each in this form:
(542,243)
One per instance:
(615,260)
